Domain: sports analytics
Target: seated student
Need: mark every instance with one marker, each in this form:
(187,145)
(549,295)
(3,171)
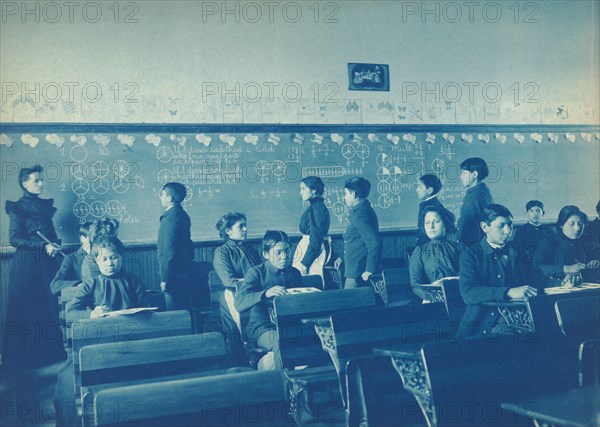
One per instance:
(261,284)
(428,187)
(69,273)
(528,235)
(565,254)
(478,196)
(101,227)
(362,244)
(437,258)
(489,272)
(113,289)
(593,228)
(232,261)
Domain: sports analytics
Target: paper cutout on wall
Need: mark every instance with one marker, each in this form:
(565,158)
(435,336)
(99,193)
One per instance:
(500,137)
(180,140)
(81,139)
(337,138)
(203,139)
(153,139)
(126,139)
(102,140)
(430,138)
(483,137)
(32,141)
(373,137)
(536,137)
(449,137)
(408,137)
(317,139)
(520,138)
(273,139)
(570,137)
(356,138)
(6,140)
(467,138)
(227,139)
(251,139)
(298,139)
(587,137)
(394,139)
(55,139)
(553,137)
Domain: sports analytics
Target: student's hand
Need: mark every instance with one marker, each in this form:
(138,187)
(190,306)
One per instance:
(163,286)
(52,249)
(593,264)
(275,291)
(99,311)
(574,268)
(572,280)
(365,276)
(522,292)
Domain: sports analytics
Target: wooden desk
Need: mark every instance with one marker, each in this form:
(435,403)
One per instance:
(575,408)
(409,363)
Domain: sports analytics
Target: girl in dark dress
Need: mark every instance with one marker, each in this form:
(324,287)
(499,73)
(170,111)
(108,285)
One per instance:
(566,253)
(314,250)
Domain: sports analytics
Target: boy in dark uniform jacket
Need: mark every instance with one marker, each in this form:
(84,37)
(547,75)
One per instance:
(427,189)
(175,247)
(477,197)
(489,272)
(362,244)
(69,273)
(527,236)
(261,284)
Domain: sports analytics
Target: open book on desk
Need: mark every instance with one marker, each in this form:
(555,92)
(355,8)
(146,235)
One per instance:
(445,279)
(128,311)
(568,289)
(293,291)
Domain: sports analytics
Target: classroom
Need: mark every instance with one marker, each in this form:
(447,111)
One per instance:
(311,212)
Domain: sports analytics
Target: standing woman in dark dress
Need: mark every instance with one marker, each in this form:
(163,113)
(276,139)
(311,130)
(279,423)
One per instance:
(32,334)
(314,250)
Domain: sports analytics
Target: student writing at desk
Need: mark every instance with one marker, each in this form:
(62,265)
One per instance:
(566,253)
(489,272)
(261,284)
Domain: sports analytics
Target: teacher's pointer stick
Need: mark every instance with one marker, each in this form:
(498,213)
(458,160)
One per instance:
(39,233)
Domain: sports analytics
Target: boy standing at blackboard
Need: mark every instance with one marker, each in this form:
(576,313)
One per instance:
(428,187)
(362,244)
(175,247)
(478,196)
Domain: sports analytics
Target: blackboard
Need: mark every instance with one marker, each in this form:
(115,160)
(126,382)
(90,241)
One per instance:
(116,171)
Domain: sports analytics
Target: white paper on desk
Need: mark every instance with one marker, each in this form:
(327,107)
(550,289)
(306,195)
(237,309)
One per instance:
(302,290)
(565,290)
(128,311)
(445,279)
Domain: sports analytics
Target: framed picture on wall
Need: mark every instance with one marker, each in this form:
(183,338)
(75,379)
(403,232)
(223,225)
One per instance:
(368,77)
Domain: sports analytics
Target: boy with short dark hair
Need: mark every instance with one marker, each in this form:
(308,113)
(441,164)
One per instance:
(362,244)
(489,272)
(428,187)
(527,236)
(69,273)
(478,196)
(175,247)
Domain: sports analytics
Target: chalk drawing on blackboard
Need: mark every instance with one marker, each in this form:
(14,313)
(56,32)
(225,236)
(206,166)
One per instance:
(139,181)
(164,154)
(114,207)
(97,209)
(81,209)
(120,185)
(446,151)
(103,151)
(383,160)
(384,201)
(189,193)
(121,169)
(348,152)
(100,186)
(438,165)
(383,187)
(100,169)
(78,153)
(383,174)
(262,169)
(363,152)
(80,186)
(278,167)
(164,176)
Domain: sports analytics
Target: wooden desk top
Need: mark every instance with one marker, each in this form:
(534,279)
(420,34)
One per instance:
(576,408)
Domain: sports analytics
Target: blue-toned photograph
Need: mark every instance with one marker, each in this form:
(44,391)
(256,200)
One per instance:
(368,77)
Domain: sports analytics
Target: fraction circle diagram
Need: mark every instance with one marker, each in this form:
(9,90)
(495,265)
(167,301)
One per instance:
(395,173)
(121,169)
(80,186)
(262,168)
(164,154)
(100,186)
(395,187)
(383,187)
(100,169)
(338,209)
(120,185)
(114,207)
(278,168)
(348,151)
(384,201)
(78,171)
(383,160)
(81,209)
(383,174)
(363,152)
(164,176)
(78,153)
(97,209)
